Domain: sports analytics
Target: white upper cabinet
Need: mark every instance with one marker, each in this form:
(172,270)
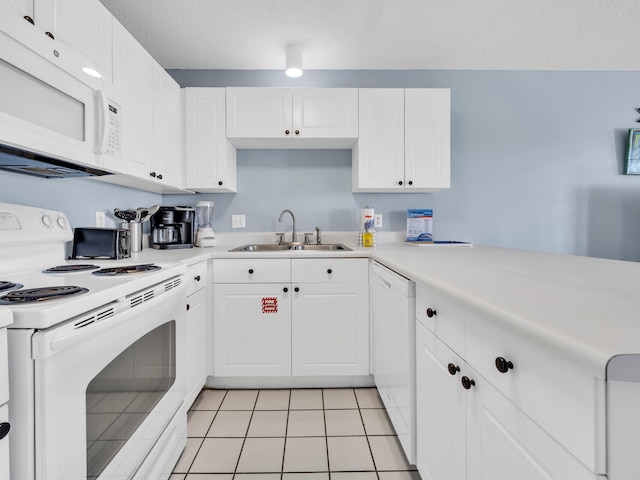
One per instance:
(151,120)
(167,129)
(292,118)
(404,141)
(209,156)
(84,25)
(133,79)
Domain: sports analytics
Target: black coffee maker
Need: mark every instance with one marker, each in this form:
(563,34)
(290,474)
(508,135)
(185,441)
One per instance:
(172,227)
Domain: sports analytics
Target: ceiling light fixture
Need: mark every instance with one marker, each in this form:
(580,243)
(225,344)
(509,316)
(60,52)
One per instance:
(293,63)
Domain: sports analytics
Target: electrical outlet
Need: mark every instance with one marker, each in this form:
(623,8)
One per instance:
(377,220)
(101,219)
(238,221)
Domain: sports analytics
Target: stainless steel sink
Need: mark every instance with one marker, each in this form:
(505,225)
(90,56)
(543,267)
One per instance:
(274,247)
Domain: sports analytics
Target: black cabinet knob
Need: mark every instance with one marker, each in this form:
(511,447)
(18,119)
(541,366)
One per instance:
(297,132)
(431,312)
(453,369)
(410,182)
(296,289)
(152,174)
(329,271)
(286,132)
(220,183)
(503,365)
(467,382)
(159,176)
(251,270)
(188,307)
(400,182)
(285,289)
(4,429)
(197,278)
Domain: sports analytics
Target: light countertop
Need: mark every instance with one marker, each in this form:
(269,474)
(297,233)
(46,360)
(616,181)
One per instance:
(585,310)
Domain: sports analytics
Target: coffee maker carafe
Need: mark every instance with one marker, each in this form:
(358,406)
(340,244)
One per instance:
(172,227)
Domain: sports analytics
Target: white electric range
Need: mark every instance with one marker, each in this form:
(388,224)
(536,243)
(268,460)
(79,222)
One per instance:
(97,356)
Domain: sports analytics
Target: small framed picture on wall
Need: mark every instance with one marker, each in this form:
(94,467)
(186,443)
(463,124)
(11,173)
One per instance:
(632,166)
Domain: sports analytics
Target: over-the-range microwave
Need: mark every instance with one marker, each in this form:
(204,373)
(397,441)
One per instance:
(52,124)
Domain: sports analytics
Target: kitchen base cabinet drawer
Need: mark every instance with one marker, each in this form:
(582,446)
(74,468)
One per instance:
(443,317)
(334,270)
(196,277)
(563,399)
(250,270)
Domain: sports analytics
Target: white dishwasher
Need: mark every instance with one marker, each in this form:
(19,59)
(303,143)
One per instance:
(393,310)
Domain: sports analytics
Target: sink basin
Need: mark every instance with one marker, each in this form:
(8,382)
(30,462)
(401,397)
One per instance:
(274,247)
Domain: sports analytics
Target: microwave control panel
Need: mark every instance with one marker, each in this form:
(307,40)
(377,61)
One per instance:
(114,136)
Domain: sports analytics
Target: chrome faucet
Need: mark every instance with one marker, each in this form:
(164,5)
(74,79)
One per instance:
(294,235)
(318,240)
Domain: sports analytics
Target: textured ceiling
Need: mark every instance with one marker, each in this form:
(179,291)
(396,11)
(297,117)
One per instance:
(387,35)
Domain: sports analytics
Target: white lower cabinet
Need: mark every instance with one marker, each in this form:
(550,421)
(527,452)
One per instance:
(312,320)
(476,433)
(330,329)
(441,423)
(196,330)
(251,330)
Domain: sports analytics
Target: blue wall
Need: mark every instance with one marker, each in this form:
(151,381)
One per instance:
(537,162)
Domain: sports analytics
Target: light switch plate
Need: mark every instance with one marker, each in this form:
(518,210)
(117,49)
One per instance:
(377,220)
(238,221)
(100,219)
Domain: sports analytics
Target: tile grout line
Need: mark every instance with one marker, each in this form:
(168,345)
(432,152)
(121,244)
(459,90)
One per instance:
(366,434)
(244,440)
(205,437)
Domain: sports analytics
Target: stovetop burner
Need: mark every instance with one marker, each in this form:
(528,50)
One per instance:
(32,295)
(127,270)
(71,268)
(6,286)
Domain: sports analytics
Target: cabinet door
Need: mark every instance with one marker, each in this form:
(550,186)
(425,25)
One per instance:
(378,156)
(441,442)
(210,157)
(20,7)
(258,112)
(81,24)
(251,330)
(196,345)
(330,329)
(427,138)
(133,77)
(167,128)
(503,443)
(325,113)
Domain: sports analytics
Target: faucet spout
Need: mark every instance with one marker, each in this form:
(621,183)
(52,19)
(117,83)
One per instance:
(293,219)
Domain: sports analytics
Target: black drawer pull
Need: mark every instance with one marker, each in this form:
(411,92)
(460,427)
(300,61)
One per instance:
(4,429)
(329,271)
(296,289)
(285,289)
(453,369)
(431,312)
(467,382)
(503,365)
(251,271)
(197,278)
(188,307)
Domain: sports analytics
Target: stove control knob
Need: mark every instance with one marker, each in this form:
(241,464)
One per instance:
(62,223)
(47,221)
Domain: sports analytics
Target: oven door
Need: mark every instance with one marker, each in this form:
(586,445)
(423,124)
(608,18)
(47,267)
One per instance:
(106,389)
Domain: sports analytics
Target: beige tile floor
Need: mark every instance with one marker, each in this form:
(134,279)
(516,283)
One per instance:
(306,434)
